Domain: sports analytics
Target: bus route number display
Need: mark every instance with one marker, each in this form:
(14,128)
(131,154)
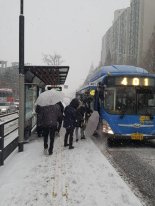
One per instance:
(135,81)
(131,81)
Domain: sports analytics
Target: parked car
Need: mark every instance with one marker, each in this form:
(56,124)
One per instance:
(16,105)
(7,107)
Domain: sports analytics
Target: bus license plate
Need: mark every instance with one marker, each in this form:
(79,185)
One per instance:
(137,136)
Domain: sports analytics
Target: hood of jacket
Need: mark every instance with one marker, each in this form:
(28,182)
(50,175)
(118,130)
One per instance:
(75,103)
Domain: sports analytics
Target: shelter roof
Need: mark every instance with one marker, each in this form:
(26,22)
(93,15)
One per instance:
(49,75)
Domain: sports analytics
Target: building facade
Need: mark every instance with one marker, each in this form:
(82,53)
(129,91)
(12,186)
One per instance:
(146,26)
(127,41)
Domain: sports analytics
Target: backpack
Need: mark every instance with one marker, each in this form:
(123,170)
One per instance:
(50,115)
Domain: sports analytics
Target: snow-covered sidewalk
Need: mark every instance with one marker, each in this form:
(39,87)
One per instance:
(78,177)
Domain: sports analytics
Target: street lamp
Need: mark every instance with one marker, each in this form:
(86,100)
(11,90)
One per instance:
(21,7)
(21,80)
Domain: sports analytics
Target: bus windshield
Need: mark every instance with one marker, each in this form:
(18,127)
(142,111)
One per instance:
(130,100)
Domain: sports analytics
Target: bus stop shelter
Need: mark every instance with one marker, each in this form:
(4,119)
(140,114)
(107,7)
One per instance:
(35,80)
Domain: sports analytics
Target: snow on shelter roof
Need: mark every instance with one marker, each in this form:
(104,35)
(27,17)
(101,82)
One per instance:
(50,75)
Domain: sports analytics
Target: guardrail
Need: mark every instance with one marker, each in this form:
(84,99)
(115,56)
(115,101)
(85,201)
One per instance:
(6,150)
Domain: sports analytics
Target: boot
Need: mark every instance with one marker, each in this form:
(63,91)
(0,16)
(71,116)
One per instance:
(71,147)
(83,137)
(50,151)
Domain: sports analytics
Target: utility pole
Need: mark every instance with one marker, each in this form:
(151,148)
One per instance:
(21,80)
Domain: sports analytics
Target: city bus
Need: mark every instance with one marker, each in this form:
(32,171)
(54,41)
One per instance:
(6,95)
(126,99)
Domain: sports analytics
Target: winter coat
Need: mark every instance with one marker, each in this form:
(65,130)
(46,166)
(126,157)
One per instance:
(50,115)
(39,115)
(61,107)
(80,113)
(75,103)
(70,114)
(96,101)
(89,111)
(62,111)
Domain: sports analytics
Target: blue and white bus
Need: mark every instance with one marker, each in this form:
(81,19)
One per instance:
(126,101)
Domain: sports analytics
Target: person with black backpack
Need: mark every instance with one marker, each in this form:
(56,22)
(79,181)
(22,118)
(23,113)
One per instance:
(50,116)
(69,122)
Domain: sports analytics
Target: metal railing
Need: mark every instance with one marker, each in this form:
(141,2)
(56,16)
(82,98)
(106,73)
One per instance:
(6,150)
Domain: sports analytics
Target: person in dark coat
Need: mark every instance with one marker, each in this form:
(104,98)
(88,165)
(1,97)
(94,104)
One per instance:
(80,121)
(39,128)
(88,109)
(50,116)
(60,119)
(69,122)
(97,106)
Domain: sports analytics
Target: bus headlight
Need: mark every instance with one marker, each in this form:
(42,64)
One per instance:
(107,128)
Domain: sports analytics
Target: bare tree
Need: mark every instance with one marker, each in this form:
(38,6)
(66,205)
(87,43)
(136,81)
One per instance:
(54,60)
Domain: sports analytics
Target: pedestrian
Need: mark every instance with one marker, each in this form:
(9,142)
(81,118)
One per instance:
(60,119)
(80,121)
(69,122)
(89,111)
(97,106)
(50,116)
(39,128)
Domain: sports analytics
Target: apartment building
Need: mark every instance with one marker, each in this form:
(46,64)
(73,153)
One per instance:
(116,40)
(106,47)
(127,41)
(146,26)
(120,38)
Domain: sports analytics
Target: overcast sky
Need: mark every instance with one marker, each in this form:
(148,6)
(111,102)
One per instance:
(71,28)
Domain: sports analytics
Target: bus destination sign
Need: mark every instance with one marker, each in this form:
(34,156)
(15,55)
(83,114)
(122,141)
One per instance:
(130,81)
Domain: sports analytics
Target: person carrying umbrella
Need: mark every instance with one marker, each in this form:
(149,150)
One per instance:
(50,113)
